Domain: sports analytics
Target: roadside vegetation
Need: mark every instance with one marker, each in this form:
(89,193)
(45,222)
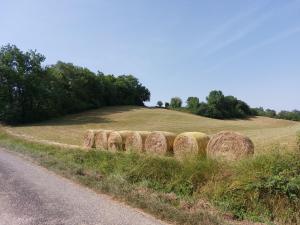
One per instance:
(265,188)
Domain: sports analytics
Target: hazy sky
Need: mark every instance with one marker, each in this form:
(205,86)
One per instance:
(246,48)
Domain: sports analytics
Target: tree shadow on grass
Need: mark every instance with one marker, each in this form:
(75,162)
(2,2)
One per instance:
(249,118)
(96,116)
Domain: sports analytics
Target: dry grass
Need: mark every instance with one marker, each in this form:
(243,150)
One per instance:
(265,132)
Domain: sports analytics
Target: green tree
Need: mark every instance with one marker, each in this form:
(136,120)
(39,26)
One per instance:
(223,107)
(176,103)
(193,104)
(216,104)
(167,105)
(159,104)
(23,85)
(270,113)
(30,92)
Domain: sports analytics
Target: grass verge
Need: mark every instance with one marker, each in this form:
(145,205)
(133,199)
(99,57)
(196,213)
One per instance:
(298,140)
(142,181)
(265,188)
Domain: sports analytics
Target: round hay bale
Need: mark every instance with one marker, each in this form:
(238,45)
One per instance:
(190,143)
(89,139)
(230,145)
(101,139)
(116,140)
(136,141)
(160,142)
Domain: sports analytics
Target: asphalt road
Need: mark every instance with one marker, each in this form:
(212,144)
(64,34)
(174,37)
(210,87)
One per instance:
(31,195)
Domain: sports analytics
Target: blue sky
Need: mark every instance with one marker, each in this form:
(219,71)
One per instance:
(246,48)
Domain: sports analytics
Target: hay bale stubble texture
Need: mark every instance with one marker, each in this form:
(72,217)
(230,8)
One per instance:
(89,139)
(230,146)
(160,142)
(101,139)
(116,140)
(189,144)
(135,141)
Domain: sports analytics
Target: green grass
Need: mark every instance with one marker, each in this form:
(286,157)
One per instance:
(155,184)
(298,140)
(265,132)
(264,188)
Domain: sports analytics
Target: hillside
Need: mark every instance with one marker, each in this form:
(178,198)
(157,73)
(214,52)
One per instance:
(265,132)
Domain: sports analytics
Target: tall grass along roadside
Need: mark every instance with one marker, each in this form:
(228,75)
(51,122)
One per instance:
(298,140)
(264,188)
(142,181)
(195,190)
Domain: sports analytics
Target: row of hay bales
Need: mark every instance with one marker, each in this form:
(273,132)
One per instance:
(226,144)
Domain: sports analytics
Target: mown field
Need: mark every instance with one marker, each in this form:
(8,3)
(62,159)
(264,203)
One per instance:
(265,132)
(198,190)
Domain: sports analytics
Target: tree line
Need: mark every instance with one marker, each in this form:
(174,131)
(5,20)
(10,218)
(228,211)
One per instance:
(226,107)
(284,114)
(216,106)
(31,92)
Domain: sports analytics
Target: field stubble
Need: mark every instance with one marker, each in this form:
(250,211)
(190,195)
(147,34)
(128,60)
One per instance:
(264,132)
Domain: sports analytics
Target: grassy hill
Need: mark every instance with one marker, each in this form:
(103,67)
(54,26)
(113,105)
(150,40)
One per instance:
(265,132)
(264,188)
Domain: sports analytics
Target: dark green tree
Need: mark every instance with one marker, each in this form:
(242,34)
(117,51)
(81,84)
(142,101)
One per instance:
(223,107)
(24,84)
(30,92)
(216,104)
(176,103)
(159,104)
(270,113)
(193,104)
